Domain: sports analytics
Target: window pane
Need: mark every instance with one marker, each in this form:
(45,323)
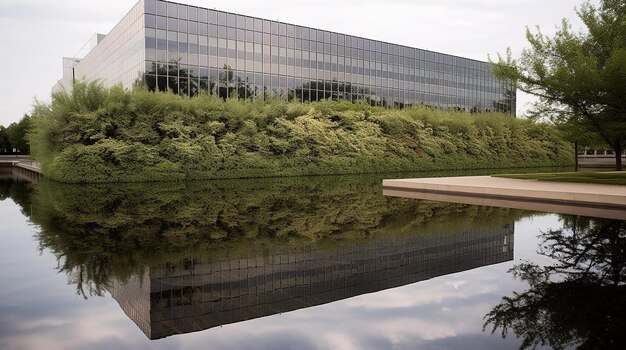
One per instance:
(203,15)
(182,11)
(150,21)
(161,8)
(193,13)
(172,10)
(150,6)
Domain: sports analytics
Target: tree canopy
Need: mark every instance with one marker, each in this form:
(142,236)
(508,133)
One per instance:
(579,77)
(13,138)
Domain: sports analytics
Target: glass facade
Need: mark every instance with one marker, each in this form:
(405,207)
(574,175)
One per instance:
(188,49)
(120,56)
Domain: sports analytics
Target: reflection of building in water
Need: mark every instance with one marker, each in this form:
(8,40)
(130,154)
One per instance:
(198,295)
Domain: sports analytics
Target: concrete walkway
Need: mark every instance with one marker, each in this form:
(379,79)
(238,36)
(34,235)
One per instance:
(538,195)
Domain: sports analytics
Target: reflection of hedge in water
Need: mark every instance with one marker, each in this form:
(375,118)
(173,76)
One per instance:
(101,230)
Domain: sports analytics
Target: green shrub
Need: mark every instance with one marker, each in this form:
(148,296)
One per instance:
(95,134)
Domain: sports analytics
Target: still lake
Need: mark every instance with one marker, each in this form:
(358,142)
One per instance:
(298,263)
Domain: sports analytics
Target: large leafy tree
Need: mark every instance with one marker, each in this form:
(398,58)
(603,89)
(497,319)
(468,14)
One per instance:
(578,77)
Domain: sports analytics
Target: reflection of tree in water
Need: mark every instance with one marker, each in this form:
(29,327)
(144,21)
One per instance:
(579,300)
(17,190)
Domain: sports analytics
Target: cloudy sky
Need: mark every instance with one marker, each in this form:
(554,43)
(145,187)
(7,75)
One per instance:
(35,34)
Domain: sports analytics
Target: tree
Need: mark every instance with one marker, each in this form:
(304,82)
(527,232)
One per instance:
(16,136)
(5,146)
(579,78)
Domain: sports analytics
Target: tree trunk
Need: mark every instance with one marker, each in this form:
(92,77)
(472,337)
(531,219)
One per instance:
(618,156)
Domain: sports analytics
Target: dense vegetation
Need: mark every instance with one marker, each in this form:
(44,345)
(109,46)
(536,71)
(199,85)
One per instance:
(112,135)
(578,75)
(13,137)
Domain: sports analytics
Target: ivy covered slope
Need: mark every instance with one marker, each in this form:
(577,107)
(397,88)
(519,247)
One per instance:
(96,134)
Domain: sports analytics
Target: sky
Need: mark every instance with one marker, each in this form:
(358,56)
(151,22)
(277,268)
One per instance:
(36,34)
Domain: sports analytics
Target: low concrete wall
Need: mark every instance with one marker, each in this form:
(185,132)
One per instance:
(597,196)
(22,166)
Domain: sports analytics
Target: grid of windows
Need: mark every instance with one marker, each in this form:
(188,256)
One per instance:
(189,49)
(120,55)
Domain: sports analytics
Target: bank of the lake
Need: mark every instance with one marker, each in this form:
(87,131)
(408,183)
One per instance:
(96,134)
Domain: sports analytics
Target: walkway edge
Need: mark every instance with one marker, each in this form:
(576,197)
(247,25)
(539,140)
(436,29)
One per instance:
(599,195)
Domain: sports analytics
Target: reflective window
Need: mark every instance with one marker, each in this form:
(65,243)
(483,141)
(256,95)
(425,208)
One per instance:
(161,8)
(182,11)
(221,18)
(172,24)
(182,25)
(232,20)
(150,6)
(150,21)
(193,13)
(274,28)
(203,15)
(203,29)
(221,32)
(212,17)
(172,9)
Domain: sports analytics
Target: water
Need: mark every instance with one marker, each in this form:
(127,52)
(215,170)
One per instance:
(306,263)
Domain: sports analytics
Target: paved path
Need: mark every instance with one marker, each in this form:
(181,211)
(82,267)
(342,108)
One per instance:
(598,196)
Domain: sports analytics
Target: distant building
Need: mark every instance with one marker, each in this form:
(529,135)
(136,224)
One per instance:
(188,49)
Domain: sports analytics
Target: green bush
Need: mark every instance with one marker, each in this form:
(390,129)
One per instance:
(96,134)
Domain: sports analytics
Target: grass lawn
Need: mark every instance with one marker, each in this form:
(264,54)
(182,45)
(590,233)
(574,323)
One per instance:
(609,177)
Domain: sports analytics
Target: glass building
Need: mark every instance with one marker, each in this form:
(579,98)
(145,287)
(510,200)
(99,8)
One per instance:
(188,49)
